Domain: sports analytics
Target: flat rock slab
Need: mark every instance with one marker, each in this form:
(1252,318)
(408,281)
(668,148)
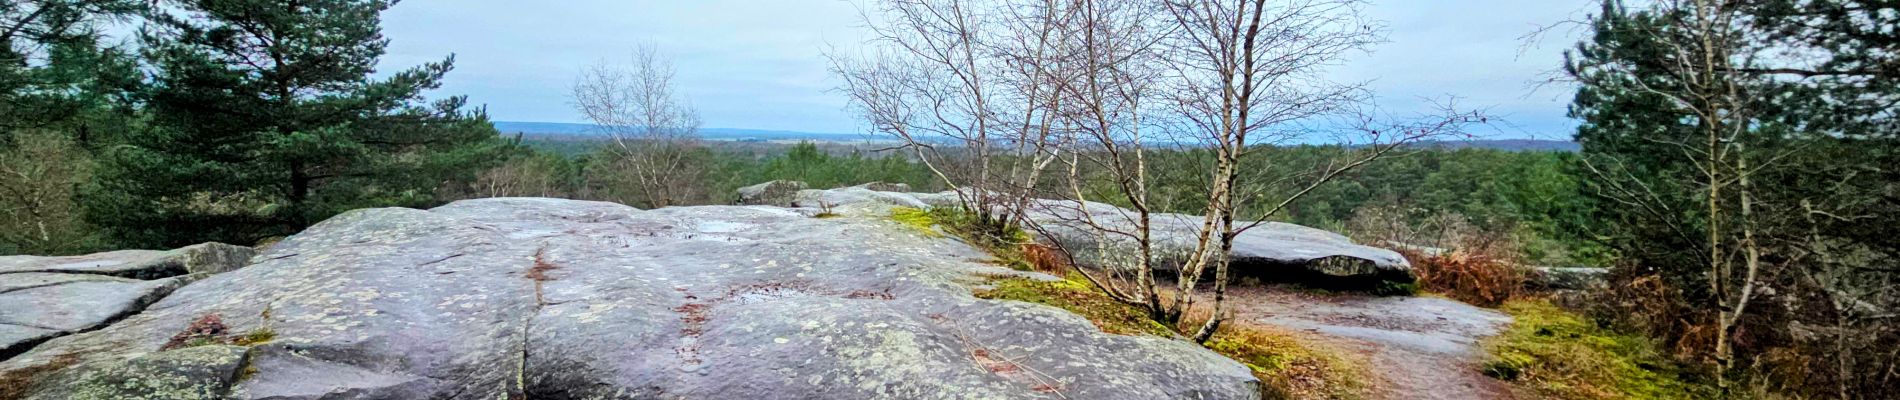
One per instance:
(35,306)
(540,298)
(30,280)
(1272,250)
(78,305)
(46,297)
(107,263)
(1258,250)
(202,259)
(192,373)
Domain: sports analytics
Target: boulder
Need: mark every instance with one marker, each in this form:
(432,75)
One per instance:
(886,187)
(1570,278)
(774,193)
(1271,251)
(519,298)
(46,297)
(857,201)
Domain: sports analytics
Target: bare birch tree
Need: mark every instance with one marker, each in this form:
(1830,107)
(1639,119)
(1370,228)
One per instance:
(963,85)
(1090,85)
(1107,71)
(1250,73)
(654,131)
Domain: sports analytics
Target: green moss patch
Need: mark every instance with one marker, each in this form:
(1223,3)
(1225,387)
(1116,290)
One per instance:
(1077,296)
(1558,354)
(255,337)
(1003,243)
(917,219)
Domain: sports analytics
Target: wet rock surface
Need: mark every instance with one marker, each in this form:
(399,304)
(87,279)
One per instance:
(540,298)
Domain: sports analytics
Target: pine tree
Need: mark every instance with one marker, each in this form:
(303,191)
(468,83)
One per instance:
(57,75)
(268,115)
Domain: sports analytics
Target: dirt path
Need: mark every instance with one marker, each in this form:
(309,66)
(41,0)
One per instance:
(1420,347)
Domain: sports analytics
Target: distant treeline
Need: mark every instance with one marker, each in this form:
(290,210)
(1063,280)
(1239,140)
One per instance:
(586,170)
(1529,194)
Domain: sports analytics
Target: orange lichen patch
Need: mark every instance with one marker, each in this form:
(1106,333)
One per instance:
(693,317)
(539,272)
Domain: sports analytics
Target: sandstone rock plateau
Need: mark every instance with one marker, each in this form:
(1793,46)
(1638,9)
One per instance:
(560,299)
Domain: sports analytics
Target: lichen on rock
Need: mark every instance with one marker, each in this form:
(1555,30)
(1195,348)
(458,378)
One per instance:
(553,298)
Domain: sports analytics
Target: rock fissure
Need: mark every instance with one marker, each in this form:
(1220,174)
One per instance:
(439,260)
(112,274)
(537,273)
(44,285)
(24,345)
(29,325)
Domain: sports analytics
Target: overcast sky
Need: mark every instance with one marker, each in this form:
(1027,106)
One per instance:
(759,63)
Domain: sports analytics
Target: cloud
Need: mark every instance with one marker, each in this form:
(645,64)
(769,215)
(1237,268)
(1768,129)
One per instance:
(760,64)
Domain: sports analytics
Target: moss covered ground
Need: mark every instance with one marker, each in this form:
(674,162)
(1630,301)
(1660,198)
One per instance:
(1077,296)
(1003,243)
(917,219)
(1555,353)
